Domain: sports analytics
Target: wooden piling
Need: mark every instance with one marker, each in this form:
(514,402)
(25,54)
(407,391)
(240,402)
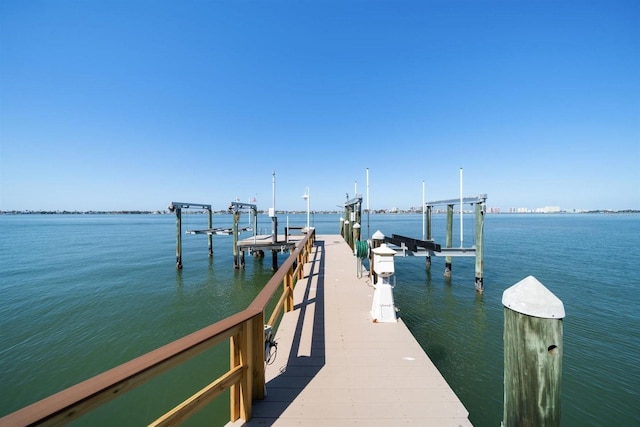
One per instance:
(356,233)
(234,231)
(429,238)
(532,355)
(449,240)
(479,247)
(178,238)
(376,240)
(210,236)
(347,232)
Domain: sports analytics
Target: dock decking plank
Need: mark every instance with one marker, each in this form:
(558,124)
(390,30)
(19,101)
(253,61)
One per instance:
(335,367)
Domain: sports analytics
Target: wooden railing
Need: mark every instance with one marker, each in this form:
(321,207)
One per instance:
(245,377)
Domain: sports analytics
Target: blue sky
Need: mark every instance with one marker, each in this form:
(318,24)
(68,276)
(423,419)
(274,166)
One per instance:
(112,105)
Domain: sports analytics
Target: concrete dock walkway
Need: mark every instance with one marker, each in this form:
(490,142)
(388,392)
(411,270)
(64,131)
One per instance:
(335,367)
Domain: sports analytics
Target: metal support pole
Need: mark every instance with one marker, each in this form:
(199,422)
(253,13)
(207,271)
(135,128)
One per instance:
(449,240)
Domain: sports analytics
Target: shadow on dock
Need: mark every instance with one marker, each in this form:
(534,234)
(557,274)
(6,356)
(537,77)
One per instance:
(304,328)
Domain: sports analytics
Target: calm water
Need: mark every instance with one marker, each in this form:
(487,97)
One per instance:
(81,294)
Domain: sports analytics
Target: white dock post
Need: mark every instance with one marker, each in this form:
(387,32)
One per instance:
(532,354)
(383,308)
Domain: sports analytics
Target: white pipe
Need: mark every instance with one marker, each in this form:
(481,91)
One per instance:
(308,200)
(461,209)
(273,192)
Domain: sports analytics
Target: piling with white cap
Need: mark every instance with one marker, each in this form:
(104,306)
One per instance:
(532,354)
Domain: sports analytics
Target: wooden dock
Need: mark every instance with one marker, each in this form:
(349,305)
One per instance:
(265,242)
(335,367)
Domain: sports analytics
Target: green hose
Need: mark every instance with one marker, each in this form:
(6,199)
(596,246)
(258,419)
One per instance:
(362,248)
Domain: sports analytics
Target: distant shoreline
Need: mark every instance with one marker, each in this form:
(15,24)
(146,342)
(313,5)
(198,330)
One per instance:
(377,212)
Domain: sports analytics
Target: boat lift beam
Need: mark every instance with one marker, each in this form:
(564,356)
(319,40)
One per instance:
(481,198)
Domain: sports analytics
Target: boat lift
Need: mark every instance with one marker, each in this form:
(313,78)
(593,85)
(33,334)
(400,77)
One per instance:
(177,208)
(237,207)
(407,246)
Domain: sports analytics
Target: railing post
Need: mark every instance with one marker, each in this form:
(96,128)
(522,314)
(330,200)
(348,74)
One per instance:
(234,390)
(301,263)
(258,357)
(241,349)
(289,288)
(246,357)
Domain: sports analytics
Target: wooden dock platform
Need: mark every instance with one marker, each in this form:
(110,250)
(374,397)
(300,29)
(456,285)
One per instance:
(335,367)
(265,242)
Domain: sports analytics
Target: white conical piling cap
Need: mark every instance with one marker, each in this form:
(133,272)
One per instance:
(532,298)
(378,235)
(383,249)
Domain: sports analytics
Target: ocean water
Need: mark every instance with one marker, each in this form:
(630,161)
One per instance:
(83,293)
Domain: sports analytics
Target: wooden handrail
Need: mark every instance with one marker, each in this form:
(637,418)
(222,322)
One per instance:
(245,329)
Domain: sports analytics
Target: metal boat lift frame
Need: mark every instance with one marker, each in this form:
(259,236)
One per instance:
(177,207)
(406,246)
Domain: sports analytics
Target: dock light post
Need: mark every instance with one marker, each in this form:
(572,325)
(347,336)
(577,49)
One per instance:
(307,197)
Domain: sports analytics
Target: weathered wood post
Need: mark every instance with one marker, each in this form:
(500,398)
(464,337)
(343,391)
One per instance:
(234,231)
(532,355)
(347,232)
(358,213)
(209,235)
(479,247)
(429,238)
(178,238)
(356,233)
(258,357)
(376,240)
(449,240)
